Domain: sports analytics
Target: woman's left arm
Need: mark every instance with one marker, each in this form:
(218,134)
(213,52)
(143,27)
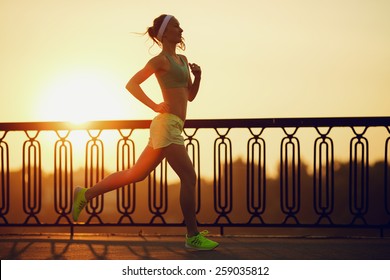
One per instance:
(193,87)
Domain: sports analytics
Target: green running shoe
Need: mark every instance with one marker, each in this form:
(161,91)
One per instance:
(79,202)
(200,242)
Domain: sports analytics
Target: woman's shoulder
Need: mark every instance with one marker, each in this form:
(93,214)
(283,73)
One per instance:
(183,56)
(159,61)
(161,57)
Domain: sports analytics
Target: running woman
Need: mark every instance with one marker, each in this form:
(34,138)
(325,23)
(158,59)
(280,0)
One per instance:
(166,141)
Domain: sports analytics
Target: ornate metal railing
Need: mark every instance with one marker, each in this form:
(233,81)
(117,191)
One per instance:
(321,194)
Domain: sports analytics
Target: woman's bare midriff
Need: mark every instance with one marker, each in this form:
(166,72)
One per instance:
(177,99)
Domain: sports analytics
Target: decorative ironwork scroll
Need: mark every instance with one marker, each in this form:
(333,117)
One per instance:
(5,182)
(32,177)
(290,176)
(323,176)
(223,176)
(256,176)
(358,175)
(94,172)
(387,174)
(63,176)
(126,201)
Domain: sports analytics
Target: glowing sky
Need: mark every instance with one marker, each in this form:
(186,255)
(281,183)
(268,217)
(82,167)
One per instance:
(70,60)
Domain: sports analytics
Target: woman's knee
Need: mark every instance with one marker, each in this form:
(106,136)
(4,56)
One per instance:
(132,176)
(189,177)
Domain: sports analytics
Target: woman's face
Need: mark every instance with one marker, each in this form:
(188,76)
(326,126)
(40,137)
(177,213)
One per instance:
(173,32)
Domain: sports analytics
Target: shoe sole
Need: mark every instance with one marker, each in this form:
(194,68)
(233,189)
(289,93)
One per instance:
(199,249)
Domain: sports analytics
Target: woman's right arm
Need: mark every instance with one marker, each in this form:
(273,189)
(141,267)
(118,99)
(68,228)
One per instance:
(133,86)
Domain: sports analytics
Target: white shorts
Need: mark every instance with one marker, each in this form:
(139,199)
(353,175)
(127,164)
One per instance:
(165,130)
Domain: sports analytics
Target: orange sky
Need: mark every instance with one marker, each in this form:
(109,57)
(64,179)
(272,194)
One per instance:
(70,60)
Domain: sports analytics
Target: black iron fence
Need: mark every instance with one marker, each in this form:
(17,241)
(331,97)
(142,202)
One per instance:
(323,192)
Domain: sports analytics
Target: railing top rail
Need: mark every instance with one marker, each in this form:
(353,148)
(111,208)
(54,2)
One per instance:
(203,123)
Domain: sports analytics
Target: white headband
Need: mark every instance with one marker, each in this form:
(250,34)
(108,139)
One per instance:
(163,26)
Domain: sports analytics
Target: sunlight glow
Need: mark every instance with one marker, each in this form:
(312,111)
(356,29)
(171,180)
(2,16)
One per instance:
(79,96)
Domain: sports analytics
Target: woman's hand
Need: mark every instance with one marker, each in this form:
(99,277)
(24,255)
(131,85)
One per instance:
(163,107)
(195,69)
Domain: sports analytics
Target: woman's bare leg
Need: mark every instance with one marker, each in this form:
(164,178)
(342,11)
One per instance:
(148,161)
(179,160)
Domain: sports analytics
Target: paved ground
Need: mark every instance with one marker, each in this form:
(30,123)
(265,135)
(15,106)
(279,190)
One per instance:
(116,247)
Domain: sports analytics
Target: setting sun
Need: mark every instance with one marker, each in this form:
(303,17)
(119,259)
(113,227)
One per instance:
(77,97)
